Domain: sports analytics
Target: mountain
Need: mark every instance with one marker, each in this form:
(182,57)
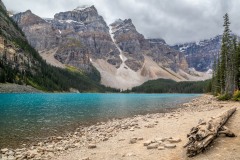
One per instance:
(124,57)
(201,55)
(20,63)
(70,37)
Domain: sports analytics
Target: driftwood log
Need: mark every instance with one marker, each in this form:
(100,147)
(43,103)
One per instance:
(205,132)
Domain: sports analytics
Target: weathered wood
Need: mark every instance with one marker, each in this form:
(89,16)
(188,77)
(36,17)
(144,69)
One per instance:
(205,132)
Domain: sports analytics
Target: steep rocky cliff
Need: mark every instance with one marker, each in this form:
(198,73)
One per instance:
(129,41)
(39,33)
(135,46)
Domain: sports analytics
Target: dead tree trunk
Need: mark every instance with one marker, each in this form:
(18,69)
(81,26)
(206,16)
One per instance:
(205,132)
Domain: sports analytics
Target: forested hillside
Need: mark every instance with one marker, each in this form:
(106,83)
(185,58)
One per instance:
(170,86)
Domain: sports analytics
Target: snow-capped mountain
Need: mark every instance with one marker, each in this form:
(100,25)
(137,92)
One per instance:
(201,55)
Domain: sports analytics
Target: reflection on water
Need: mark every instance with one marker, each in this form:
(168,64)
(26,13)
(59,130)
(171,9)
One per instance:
(27,117)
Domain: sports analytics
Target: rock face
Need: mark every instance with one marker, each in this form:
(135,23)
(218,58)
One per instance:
(124,58)
(39,33)
(129,41)
(201,55)
(135,46)
(72,53)
(165,56)
(83,26)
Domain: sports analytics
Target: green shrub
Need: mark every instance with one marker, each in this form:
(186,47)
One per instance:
(224,97)
(236,95)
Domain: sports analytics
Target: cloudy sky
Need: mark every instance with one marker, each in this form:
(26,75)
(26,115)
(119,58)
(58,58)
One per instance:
(176,21)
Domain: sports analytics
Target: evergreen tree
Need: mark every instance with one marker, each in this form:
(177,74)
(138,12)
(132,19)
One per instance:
(235,62)
(226,77)
(237,67)
(216,82)
(226,70)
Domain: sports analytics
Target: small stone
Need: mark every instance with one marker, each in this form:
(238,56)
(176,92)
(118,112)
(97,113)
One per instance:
(166,138)
(10,153)
(4,150)
(177,140)
(129,155)
(132,129)
(86,158)
(19,156)
(17,153)
(146,143)
(140,138)
(50,146)
(32,154)
(122,139)
(91,146)
(105,139)
(149,126)
(153,146)
(170,146)
(60,148)
(161,148)
(158,140)
(11,158)
(50,155)
(59,138)
(40,144)
(133,140)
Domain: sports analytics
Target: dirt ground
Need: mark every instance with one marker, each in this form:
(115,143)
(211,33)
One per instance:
(177,125)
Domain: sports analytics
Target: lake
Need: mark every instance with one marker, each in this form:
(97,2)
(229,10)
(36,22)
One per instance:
(25,118)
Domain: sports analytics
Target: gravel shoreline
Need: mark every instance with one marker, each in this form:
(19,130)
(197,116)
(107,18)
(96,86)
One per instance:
(139,130)
(15,88)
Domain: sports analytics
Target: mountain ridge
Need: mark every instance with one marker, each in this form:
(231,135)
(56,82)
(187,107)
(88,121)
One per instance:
(117,52)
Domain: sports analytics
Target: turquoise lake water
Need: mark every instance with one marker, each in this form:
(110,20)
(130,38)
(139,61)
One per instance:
(25,118)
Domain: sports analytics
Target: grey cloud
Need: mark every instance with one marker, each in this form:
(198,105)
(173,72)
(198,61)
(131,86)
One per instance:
(176,21)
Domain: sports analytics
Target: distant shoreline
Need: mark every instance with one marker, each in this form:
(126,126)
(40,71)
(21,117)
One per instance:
(16,88)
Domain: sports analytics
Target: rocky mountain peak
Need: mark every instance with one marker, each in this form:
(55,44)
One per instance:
(27,18)
(85,8)
(85,14)
(123,26)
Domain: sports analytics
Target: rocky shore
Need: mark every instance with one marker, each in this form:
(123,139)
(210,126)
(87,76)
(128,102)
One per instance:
(151,136)
(15,88)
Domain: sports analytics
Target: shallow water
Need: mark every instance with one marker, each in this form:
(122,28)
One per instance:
(25,118)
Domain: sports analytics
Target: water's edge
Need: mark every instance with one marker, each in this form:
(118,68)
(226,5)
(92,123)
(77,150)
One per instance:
(65,130)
